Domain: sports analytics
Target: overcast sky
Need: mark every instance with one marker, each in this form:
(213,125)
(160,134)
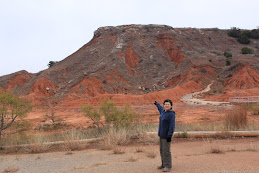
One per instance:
(34,32)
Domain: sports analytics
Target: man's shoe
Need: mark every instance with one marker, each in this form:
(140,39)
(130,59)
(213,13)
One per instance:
(160,167)
(166,170)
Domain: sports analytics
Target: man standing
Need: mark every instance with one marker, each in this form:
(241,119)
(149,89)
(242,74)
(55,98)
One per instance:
(165,132)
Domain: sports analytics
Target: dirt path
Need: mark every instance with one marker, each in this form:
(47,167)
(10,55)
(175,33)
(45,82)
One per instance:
(188,156)
(193,98)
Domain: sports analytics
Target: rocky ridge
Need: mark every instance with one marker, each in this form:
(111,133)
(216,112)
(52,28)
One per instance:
(138,63)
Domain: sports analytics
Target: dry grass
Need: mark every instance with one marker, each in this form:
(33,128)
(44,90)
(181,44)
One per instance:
(38,148)
(236,118)
(151,154)
(11,170)
(72,146)
(139,149)
(216,150)
(98,164)
(131,159)
(253,148)
(69,153)
(223,135)
(119,150)
(116,136)
(214,146)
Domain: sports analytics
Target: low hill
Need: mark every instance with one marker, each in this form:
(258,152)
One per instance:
(136,64)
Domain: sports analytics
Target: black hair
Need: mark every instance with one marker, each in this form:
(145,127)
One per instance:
(168,100)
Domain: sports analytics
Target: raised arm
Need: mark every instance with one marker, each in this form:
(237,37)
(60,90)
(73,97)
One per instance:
(160,108)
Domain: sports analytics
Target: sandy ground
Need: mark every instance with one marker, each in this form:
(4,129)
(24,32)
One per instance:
(188,156)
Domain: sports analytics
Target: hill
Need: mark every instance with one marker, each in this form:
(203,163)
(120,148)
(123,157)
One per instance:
(137,64)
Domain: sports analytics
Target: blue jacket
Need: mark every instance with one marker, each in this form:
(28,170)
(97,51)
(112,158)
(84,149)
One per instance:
(166,122)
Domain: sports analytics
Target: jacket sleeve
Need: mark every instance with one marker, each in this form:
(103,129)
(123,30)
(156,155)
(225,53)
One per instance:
(160,108)
(171,126)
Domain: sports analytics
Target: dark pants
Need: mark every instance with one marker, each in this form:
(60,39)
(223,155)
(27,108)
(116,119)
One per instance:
(165,152)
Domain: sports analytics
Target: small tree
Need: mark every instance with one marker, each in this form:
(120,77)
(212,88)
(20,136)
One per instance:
(126,117)
(109,110)
(56,122)
(51,63)
(89,111)
(12,108)
(246,50)
(234,32)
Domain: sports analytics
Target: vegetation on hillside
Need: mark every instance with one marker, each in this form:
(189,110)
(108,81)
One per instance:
(243,36)
(247,50)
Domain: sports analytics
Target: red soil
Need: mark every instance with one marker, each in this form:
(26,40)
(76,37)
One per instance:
(131,58)
(166,42)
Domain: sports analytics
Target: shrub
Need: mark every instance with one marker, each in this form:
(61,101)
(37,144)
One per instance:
(236,118)
(119,150)
(89,111)
(246,33)
(228,62)
(51,63)
(151,154)
(246,50)
(255,109)
(243,39)
(234,32)
(124,116)
(254,34)
(227,54)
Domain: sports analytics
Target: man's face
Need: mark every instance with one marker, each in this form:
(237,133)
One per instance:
(167,106)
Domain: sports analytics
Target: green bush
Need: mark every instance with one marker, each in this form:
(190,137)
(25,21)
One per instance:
(12,110)
(247,33)
(51,63)
(113,116)
(228,62)
(243,39)
(227,54)
(234,32)
(254,34)
(246,50)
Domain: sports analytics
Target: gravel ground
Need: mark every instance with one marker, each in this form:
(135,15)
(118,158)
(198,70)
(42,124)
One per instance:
(194,156)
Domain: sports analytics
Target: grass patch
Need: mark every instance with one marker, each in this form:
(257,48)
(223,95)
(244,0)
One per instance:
(236,118)
(139,150)
(131,159)
(216,150)
(151,154)
(11,170)
(111,137)
(98,164)
(119,150)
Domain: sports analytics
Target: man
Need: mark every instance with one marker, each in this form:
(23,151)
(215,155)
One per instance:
(165,132)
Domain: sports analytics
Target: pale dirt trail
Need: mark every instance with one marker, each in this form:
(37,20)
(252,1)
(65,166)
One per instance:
(192,98)
(188,156)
